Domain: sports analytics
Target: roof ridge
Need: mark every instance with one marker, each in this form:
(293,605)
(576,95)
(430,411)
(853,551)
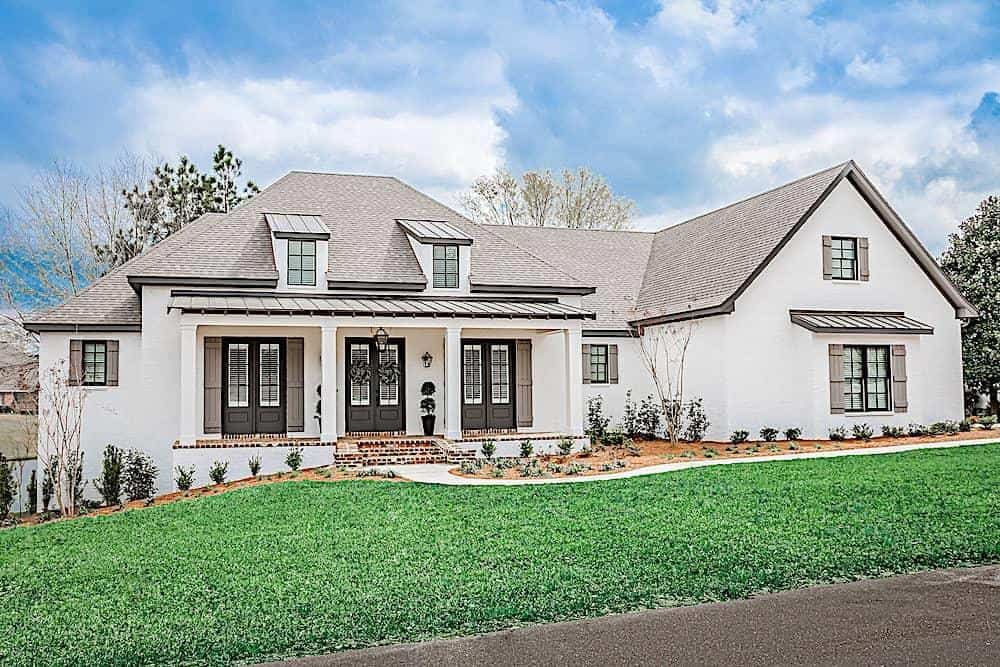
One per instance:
(337,173)
(567,229)
(841,166)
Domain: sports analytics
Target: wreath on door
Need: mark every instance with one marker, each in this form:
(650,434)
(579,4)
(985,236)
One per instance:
(361,371)
(388,372)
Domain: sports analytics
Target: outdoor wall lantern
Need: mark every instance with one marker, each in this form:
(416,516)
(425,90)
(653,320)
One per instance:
(381,339)
(427,359)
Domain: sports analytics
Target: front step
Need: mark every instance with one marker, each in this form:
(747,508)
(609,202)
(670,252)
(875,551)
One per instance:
(367,453)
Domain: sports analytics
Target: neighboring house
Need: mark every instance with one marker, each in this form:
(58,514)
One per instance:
(811,305)
(19,388)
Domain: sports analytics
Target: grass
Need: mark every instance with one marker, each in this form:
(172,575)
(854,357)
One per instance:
(310,567)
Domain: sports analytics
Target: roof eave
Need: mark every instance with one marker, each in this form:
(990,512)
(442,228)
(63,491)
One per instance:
(531,289)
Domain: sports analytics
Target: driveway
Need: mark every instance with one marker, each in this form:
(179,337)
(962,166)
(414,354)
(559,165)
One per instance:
(938,617)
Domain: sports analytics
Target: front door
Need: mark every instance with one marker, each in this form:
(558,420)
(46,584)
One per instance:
(253,393)
(376,393)
(487,385)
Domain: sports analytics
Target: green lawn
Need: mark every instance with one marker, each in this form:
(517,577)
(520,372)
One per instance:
(301,567)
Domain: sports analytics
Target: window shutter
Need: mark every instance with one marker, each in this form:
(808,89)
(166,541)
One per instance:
(586,364)
(836,378)
(75,362)
(827,258)
(112,363)
(296,385)
(863,258)
(899,378)
(613,364)
(522,359)
(213,385)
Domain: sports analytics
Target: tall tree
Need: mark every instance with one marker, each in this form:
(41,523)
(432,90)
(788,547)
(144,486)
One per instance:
(577,199)
(971,259)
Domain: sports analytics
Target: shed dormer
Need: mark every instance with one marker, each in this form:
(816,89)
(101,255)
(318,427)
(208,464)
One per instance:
(443,252)
(301,246)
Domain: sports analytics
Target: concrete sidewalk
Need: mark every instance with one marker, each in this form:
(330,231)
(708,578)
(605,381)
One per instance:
(438,473)
(943,617)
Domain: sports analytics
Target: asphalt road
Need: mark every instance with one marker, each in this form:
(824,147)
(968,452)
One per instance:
(944,617)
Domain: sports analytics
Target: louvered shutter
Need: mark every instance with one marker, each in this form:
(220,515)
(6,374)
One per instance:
(75,362)
(112,362)
(586,364)
(863,271)
(212,381)
(613,364)
(836,354)
(899,400)
(827,258)
(522,360)
(296,420)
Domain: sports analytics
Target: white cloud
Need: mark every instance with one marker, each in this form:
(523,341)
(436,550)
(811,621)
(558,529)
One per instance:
(886,70)
(720,25)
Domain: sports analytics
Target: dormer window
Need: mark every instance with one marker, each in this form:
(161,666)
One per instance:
(301,262)
(446,266)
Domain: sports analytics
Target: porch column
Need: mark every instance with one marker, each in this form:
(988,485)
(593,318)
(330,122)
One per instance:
(188,431)
(573,340)
(453,383)
(328,395)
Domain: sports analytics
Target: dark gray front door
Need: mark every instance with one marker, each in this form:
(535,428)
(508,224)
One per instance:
(253,389)
(488,394)
(375,405)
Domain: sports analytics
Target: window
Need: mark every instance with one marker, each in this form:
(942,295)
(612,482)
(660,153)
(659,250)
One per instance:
(239,375)
(270,375)
(445,266)
(95,363)
(472,370)
(598,363)
(301,262)
(499,375)
(844,256)
(866,378)
(360,391)
(388,394)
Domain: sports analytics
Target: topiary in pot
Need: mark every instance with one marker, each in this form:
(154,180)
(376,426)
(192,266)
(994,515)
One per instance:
(427,406)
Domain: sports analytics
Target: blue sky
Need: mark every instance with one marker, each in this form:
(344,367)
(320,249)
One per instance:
(682,105)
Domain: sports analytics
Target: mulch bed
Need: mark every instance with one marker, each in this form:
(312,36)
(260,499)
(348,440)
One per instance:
(656,452)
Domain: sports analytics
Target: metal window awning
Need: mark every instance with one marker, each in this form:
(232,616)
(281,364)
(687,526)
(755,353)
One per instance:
(434,231)
(284,303)
(297,226)
(858,322)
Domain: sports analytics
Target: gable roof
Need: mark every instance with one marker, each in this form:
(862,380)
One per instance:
(693,269)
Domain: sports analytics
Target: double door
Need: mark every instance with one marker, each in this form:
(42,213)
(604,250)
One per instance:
(254,386)
(488,393)
(374,401)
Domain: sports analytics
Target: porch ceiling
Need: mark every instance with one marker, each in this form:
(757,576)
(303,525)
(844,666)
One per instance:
(255,303)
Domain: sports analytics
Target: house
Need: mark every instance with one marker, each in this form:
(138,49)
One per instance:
(19,388)
(312,314)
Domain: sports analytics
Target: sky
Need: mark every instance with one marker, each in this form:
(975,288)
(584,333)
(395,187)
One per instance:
(683,105)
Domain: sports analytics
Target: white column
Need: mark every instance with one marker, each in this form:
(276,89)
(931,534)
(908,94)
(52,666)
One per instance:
(453,383)
(573,340)
(328,391)
(189,430)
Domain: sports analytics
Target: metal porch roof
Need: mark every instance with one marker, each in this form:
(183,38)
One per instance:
(434,231)
(858,322)
(297,225)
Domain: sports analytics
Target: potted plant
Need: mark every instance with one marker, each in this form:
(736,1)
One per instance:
(427,405)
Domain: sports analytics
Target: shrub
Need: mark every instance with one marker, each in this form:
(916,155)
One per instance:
(531,469)
(498,472)
(468,468)
(427,403)
(565,446)
(217,473)
(862,432)
(8,487)
(632,448)
(109,484)
(254,464)
(965,426)
(951,427)
(597,423)
(890,431)
(48,485)
(489,448)
(989,421)
(792,446)
(736,437)
(613,437)
(630,419)
(916,430)
(184,477)
(650,414)
(294,458)
(33,493)
(793,433)
(696,421)
(574,469)
(937,428)
(768,434)
(527,448)
(140,476)
(614,464)
(838,433)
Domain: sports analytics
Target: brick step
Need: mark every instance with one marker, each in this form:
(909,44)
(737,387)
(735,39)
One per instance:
(361,454)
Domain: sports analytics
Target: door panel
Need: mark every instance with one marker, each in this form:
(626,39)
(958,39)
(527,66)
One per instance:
(236,411)
(372,405)
(270,416)
(389,407)
(360,403)
(473,405)
(253,396)
(500,411)
(488,389)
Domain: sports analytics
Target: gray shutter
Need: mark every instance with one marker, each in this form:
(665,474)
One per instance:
(586,364)
(75,362)
(827,258)
(836,378)
(112,363)
(863,258)
(899,378)
(213,385)
(525,407)
(295,377)
(613,364)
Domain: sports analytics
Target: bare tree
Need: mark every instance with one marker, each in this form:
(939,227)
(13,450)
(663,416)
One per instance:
(60,421)
(664,353)
(576,199)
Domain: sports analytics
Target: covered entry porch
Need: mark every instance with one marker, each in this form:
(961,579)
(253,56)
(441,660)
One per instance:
(265,376)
